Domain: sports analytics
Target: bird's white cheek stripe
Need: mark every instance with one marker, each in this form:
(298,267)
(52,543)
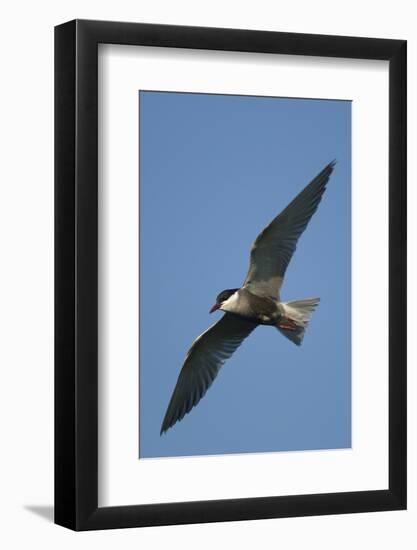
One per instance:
(230,302)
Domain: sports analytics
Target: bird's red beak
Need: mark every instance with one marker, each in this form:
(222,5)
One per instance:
(216,306)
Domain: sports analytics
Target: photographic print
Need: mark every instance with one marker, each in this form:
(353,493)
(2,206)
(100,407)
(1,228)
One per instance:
(245,274)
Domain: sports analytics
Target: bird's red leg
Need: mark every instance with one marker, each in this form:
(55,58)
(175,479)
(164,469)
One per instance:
(287,324)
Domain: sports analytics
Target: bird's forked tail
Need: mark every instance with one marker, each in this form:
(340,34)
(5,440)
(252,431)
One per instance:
(296,317)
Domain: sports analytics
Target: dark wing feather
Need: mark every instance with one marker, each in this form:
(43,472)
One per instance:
(274,247)
(203,362)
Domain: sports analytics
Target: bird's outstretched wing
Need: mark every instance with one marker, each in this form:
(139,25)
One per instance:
(203,362)
(273,248)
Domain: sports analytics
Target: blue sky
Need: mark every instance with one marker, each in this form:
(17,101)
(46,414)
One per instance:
(214,170)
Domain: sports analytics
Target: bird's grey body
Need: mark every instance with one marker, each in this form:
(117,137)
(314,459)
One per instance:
(256,303)
(264,310)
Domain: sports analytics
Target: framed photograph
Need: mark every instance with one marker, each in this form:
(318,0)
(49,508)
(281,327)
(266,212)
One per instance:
(230,275)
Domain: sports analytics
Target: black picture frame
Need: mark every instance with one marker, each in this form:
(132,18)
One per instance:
(76,272)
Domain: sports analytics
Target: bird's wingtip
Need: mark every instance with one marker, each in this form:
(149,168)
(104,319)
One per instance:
(166,425)
(328,169)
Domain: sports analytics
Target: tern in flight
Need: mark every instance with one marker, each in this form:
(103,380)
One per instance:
(256,303)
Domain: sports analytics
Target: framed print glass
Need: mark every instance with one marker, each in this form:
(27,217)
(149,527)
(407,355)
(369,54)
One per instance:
(230,275)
